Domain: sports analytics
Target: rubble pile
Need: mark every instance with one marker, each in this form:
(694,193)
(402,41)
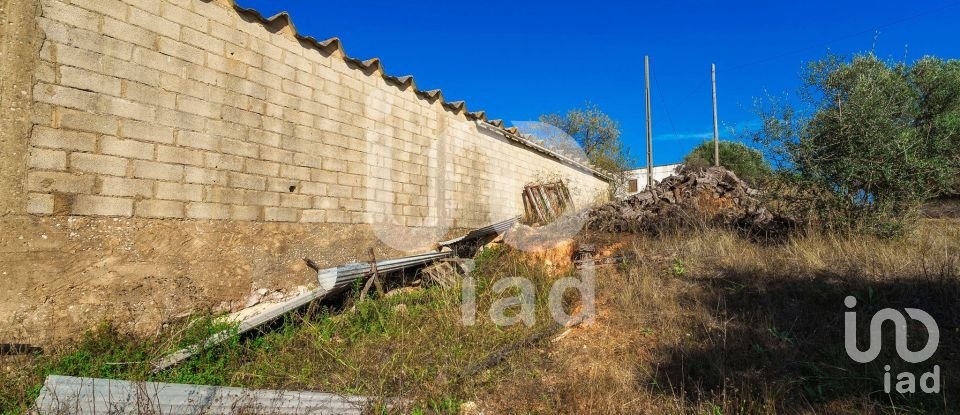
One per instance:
(693,197)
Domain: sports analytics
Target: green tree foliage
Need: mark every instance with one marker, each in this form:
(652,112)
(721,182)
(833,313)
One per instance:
(596,133)
(746,162)
(879,137)
(598,136)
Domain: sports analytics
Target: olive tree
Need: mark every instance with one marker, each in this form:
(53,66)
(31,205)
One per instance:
(598,135)
(879,137)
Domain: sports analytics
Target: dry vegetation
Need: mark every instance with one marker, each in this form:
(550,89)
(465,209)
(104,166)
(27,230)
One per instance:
(701,322)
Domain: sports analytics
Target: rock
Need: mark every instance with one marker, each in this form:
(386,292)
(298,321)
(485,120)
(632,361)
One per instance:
(256,297)
(470,408)
(404,290)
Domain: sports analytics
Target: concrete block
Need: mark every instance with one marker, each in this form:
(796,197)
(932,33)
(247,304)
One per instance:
(180,120)
(40,204)
(180,50)
(282,185)
(180,155)
(223,161)
(226,195)
(262,198)
(296,201)
(63,139)
(150,6)
(246,181)
(177,191)
(326,203)
(229,34)
(85,121)
(208,211)
(126,148)
(249,213)
(159,209)
(263,168)
(89,81)
(183,17)
(240,148)
(146,131)
(131,33)
(72,15)
(205,176)
(313,216)
(198,107)
(65,97)
(285,158)
(98,163)
(313,188)
(121,186)
(47,159)
(201,40)
(157,61)
(339,216)
(126,109)
(278,214)
(44,181)
(293,172)
(102,206)
(148,19)
(154,170)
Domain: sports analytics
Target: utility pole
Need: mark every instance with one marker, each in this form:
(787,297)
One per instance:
(646,74)
(716,131)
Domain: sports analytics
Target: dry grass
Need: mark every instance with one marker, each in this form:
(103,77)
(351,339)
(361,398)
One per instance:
(711,323)
(706,322)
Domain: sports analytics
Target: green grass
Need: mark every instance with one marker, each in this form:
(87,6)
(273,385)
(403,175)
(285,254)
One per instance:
(372,347)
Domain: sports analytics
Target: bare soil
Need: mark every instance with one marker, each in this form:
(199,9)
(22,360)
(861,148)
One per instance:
(61,276)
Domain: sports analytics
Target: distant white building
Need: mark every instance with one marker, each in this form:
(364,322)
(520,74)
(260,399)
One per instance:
(637,179)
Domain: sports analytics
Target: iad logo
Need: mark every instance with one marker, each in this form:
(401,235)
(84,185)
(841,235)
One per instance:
(906,381)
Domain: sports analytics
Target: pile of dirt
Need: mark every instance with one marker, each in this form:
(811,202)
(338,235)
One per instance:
(693,197)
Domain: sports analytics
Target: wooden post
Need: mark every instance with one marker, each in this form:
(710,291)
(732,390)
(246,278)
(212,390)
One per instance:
(646,75)
(716,130)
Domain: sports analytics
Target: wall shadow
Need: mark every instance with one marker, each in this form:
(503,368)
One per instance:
(779,343)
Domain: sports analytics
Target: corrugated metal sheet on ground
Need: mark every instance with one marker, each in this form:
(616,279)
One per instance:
(88,396)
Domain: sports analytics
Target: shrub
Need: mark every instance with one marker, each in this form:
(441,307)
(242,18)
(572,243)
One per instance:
(746,162)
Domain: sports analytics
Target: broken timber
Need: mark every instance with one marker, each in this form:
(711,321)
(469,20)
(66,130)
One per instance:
(89,396)
(543,203)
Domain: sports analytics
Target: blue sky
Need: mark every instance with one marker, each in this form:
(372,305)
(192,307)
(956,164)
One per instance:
(517,59)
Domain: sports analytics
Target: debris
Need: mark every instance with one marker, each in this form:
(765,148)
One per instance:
(494,229)
(543,203)
(712,196)
(11,349)
(374,277)
(256,297)
(64,394)
(402,291)
(331,281)
(441,273)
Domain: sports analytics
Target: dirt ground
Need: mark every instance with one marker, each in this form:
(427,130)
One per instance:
(63,275)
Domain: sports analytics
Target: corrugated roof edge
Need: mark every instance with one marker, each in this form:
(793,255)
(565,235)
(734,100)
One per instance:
(374,65)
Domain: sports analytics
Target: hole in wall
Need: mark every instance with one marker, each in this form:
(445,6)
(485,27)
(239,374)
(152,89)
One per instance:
(293,189)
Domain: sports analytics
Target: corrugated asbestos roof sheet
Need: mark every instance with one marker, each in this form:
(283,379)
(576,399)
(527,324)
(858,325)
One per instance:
(370,66)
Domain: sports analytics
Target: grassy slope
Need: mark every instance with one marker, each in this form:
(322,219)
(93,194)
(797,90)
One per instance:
(704,323)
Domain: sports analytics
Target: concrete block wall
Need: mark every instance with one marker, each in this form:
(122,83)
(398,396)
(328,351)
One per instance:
(188,109)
